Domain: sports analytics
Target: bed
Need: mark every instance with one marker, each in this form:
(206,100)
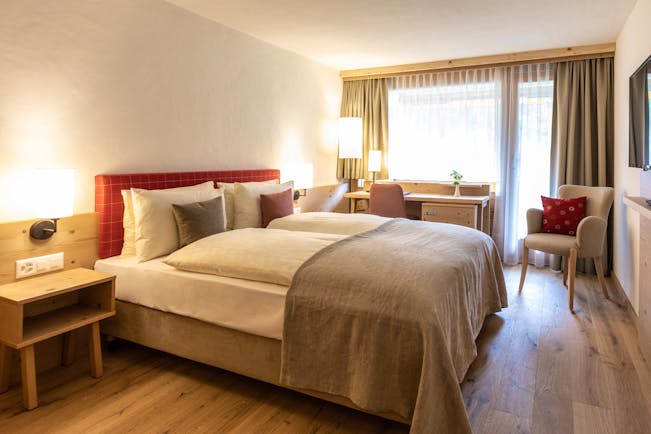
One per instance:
(254,328)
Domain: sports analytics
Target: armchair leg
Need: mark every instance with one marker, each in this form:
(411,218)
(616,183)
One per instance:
(600,274)
(571,274)
(525,262)
(564,266)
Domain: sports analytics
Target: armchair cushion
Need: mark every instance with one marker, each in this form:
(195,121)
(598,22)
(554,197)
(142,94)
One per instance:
(555,244)
(562,216)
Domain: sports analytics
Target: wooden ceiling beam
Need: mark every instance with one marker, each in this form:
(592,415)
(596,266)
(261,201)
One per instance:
(537,56)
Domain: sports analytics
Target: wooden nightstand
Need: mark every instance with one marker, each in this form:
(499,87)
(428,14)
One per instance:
(42,307)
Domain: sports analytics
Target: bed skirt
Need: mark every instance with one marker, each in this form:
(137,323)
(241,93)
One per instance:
(239,352)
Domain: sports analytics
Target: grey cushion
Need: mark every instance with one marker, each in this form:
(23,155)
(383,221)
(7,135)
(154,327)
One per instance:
(199,220)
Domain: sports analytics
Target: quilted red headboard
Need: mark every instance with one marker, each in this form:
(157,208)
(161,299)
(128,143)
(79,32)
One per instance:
(108,199)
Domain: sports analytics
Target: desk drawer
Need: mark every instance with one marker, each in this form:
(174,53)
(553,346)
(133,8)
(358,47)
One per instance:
(463,215)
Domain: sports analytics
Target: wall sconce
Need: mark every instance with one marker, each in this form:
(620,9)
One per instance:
(302,175)
(54,197)
(374,162)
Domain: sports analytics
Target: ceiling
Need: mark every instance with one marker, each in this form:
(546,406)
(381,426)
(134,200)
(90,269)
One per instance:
(349,34)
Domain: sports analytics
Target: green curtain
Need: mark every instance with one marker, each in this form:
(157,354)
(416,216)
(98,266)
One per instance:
(582,131)
(367,99)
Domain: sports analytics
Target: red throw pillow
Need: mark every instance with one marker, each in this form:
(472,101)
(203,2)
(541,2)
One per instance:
(562,216)
(276,205)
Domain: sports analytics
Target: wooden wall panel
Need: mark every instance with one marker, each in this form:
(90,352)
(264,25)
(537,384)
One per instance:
(76,237)
(325,198)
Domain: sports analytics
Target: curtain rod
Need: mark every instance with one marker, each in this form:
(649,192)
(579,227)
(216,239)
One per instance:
(524,57)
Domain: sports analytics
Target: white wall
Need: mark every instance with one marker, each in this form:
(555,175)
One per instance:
(633,47)
(142,85)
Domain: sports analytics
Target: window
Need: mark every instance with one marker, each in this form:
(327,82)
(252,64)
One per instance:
(492,125)
(534,136)
(452,124)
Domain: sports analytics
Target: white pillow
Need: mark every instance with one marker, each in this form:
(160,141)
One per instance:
(247,202)
(129,225)
(229,192)
(128,219)
(156,231)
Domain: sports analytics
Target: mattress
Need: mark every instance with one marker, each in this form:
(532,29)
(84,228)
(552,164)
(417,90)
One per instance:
(248,306)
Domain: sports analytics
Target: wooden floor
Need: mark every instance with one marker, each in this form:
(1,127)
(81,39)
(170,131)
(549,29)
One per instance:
(539,370)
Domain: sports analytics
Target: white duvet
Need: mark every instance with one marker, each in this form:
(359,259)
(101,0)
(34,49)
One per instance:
(264,255)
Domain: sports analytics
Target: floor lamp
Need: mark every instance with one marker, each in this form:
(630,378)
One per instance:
(350,141)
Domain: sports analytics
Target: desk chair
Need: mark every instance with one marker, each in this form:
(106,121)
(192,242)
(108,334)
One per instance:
(387,200)
(589,239)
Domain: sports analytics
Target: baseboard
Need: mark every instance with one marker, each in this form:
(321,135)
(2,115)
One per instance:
(622,298)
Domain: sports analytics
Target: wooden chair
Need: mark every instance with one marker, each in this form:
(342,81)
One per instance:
(589,239)
(387,200)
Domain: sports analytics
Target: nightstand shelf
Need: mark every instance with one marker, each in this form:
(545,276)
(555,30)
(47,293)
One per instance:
(61,321)
(42,307)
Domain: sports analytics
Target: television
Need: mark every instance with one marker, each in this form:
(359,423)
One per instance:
(639,145)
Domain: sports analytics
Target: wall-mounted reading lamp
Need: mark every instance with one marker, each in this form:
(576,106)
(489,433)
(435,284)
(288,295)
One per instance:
(54,195)
(302,175)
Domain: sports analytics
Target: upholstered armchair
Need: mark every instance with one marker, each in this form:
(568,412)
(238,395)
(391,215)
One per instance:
(587,243)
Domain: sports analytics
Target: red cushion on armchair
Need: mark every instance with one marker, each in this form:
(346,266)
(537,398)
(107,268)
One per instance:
(562,216)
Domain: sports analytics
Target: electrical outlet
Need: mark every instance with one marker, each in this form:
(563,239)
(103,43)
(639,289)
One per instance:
(38,265)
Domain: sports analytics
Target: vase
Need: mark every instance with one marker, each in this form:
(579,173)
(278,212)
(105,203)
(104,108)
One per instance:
(457,190)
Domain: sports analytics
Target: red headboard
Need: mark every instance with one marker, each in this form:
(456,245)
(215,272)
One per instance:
(108,199)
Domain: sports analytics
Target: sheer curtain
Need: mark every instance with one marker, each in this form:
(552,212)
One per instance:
(524,158)
(492,125)
(443,122)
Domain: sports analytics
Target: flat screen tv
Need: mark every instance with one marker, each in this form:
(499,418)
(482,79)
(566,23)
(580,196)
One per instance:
(639,147)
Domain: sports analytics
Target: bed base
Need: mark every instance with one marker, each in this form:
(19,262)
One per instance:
(243,353)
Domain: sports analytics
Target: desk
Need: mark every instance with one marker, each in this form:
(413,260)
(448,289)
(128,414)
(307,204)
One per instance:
(470,211)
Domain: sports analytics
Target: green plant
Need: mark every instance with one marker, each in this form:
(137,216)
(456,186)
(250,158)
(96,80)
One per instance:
(457,177)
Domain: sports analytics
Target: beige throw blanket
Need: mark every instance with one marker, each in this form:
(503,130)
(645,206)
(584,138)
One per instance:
(389,317)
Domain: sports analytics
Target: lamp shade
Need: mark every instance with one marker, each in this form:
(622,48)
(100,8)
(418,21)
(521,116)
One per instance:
(374,160)
(350,137)
(301,174)
(54,195)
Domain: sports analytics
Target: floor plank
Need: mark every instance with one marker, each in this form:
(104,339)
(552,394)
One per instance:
(539,369)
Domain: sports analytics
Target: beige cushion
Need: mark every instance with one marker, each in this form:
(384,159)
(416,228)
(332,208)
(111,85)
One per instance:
(128,219)
(156,232)
(229,200)
(551,243)
(247,202)
(199,219)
